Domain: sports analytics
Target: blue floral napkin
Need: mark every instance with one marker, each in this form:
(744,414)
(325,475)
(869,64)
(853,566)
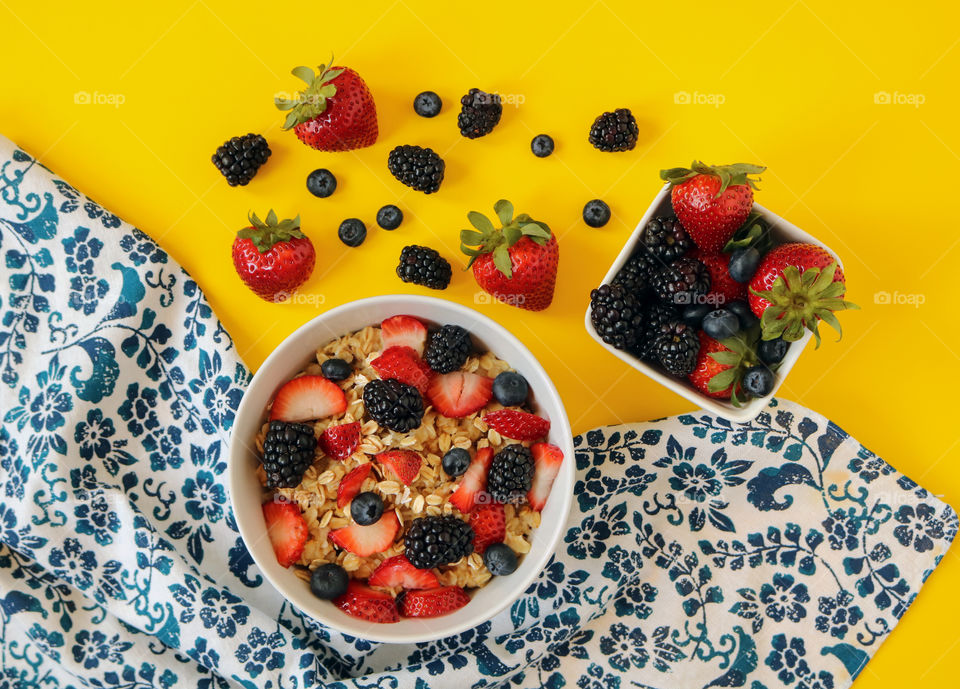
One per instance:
(700,553)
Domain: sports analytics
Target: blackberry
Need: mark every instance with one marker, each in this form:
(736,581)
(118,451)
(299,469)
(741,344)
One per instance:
(389,217)
(321,183)
(683,282)
(427,104)
(448,349)
(393,404)
(419,168)
(479,113)
(542,145)
(666,238)
(596,213)
(636,272)
(434,541)
(422,265)
(511,474)
(614,131)
(655,316)
(677,347)
(352,232)
(287,453)
(616,315)
(239,158)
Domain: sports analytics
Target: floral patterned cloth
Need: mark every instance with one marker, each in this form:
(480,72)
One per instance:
(699,553)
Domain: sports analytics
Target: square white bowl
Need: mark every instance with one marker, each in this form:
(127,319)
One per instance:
(781,231)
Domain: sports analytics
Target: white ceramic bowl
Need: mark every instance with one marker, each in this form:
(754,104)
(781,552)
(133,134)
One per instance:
(781,231)
(299,349)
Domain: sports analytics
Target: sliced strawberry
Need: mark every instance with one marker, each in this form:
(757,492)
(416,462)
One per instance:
(546,460)
(287,530)
(367,604)
(368,540)
(474,481)
(433,602)
(460,394)
(306,398)
(405,365)
(350,484)
(518,425)
(489,524)
(405,464)
(404,331)
(398,571)
(340,441)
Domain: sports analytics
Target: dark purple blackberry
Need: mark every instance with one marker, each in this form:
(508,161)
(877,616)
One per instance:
(614,131)
(419,168)
(666,238)
(434,541)
(393,404)
(448,349)
(239,158)
(636,272)
(683,282)
(287,453)
(511,474)
(655,316)
(616,315)
(479,113)
(677,347)
(422,265)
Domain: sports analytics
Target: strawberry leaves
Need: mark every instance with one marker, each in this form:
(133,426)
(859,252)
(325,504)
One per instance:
(740,355)
(311,101)
(266,233)
(738,173)
(488,239)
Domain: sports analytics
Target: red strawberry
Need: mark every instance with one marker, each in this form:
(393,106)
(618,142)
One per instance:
(460,394)
(351,483)
(547,459)
(723,288)
(273,257)
(404,331)
(287,530)
(489,524)
(397,571)
(405,464)
(308,397)
(405,365)
(339,442)
(368,540)
(474,481)
(516,263)
(716,378)
(367,604)
(433,602)
(712,201)
(334,113)
(518,425)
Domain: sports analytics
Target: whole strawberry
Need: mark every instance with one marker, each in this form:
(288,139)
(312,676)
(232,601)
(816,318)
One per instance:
(515,263)
(273,257)
(723,288)
(334,113)
(712,201)
(721,366)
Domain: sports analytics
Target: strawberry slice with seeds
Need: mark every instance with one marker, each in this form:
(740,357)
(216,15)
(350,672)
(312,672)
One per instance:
(404,331)
(306,398)
(489,524)
(405,464)
(367,604)
(405,365)
(351,483)
(474,481)
(433,602)
(399,571)
(287,530)
(546,461)
(517,425)
(460,394)
(368,540)
(340,441)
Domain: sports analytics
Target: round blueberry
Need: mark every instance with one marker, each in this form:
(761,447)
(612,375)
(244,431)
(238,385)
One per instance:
(742,311)
(335,369)
(389,217)
(500,559)
(758,381)
(321,183)
(772,351)
(596,213)
(456,461)
(329,581)
(510,389)
(366,508)
(693,314)
(352,232)
(743,264)
(720,324)
(427,104)
(542,145)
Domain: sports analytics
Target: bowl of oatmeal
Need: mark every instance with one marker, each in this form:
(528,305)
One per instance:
(401,468)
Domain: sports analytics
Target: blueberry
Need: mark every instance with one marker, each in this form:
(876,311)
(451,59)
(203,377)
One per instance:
(743,264)
(596,213)
(542,145)
(352,232)
(510,389)
(720,324)
(693,314)
(366,508)
(321,183)
(329,581)
(456,461)
(772,351)
(758,381)
(743,313)
(427,104)
(500,559)
(335,369)
(389,217)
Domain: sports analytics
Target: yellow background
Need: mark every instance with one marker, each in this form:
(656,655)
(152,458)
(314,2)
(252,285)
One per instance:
(798,81)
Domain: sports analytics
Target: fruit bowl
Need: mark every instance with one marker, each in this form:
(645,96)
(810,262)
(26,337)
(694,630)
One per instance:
(781,231)
(288,359)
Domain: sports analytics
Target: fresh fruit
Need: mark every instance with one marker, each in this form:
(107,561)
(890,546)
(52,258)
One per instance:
(547,459)
(515,263)
(511,474)
(448,348)
(287,530)
(321,183)
(364,541)
(479,113)
(352,232)
(306,398)
(329,581)
(712,201)
(489,524)
(389,217)
(635,274)
(239,158)
(517,425)
(500,560)
(404,331)
(596,213)
(460,393)
(666,239)
(655,316)
(335,112)
(682,282)
(339,442)
(455,462)
(795,287)
(676,347)
(721,365)
(720,324)
(351,483)
(772,351)
(694,314)
(542,145)
(273,257)
(404,464)
(422,265)
(474,482)
(366,508)
(427,104)
(742,311)
(393,404)
(758,381)
(743,264)
(433,602)
(397,572)
(405,365)
(614,131)
(368,604)
(723,288)
(419,168)
(433,541)
(287,452)
(510,389)
(336,369)
(617,316)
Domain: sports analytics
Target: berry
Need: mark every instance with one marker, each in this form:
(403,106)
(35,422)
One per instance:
(366,508)
(666,238)
(367,604)
(352,232)
(546,465)
(694,314)
(772,351)
(306,398)
(518,425)
(722,380)
(335,369)
(424,266)
(273,257)
(479,113)
(405,365)
(427,104)
(473,482)
(239,158)
(510,389)
(542,145)
(456,461)
(743,264)
(677,346)
(339,442)
(404,464)
(419,168)
(683,282)
(617,316)
(720,324)
(448,348)
(287,452)
(655,316)
(460,393)
(287,530)
(433,541)
(403,331)
(511,474)
(364,541)
(758,381)
(723,288)
(636,272)
(393,404)
(351,483)
(489,524)
(321,183)
(614,131)
(433,602)
(500,560)
(596,213)
(329,581)
(389,217)
(397,572)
